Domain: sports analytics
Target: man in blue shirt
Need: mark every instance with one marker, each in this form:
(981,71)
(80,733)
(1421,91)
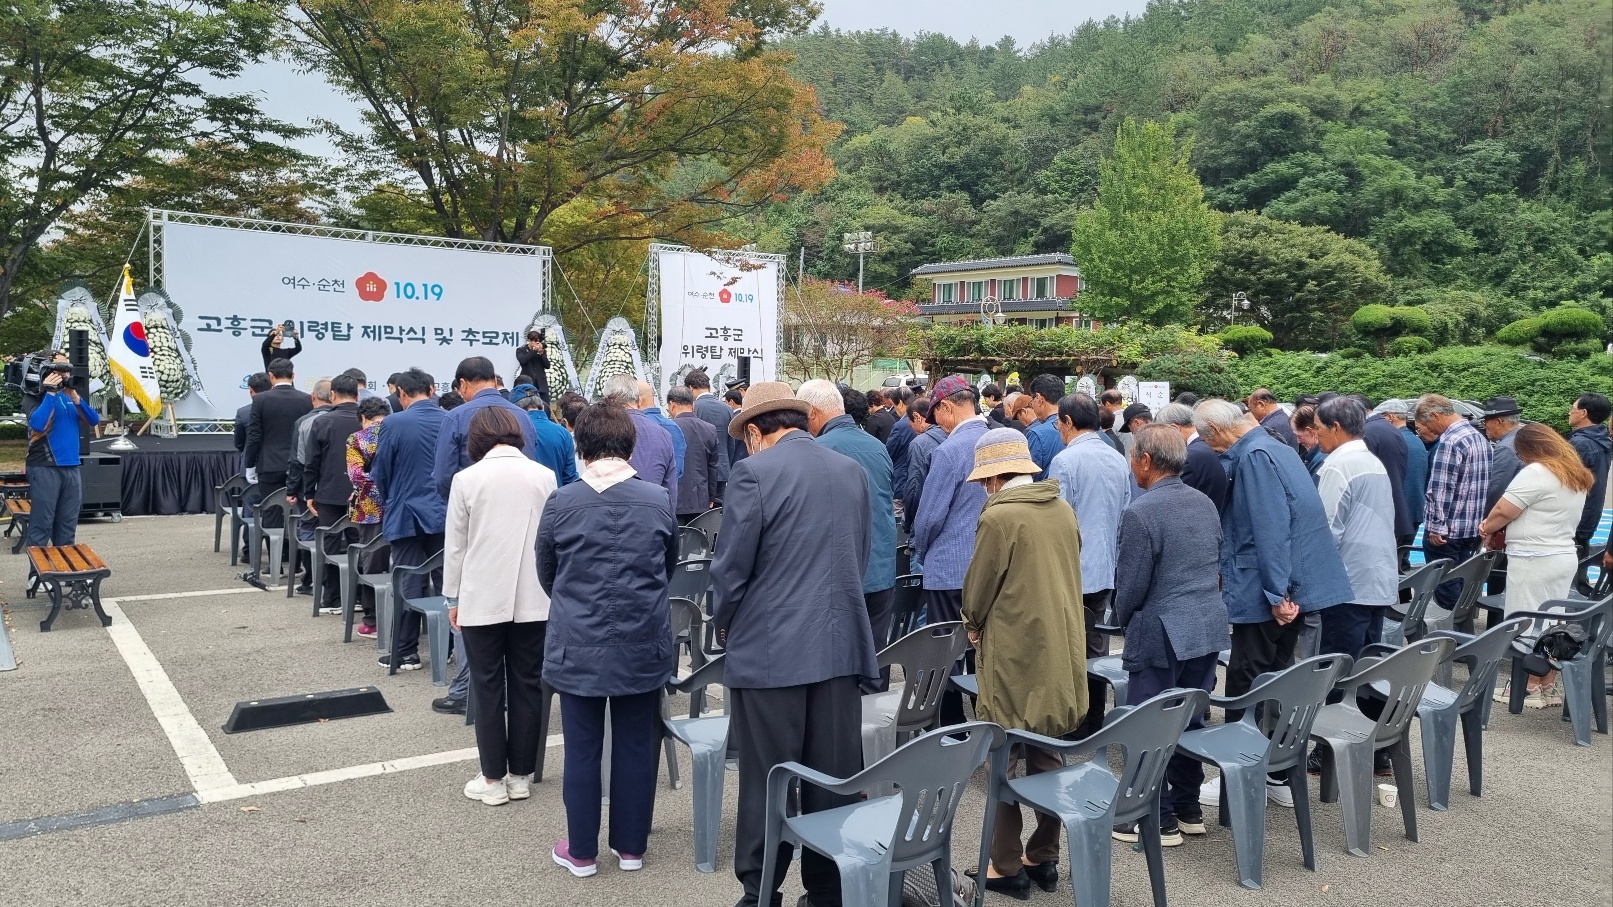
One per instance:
(838,431)
(555,447)
(476,381)
(1096,483)
(1043,435)
(55,489)
(412,512)
(680,444)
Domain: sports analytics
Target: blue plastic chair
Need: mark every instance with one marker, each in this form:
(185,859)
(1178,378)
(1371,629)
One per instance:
(690,579)
(873,840)
(1352,738)
(907,607)
(1090,799)
(707,740)
(1272,741)
(434,608)
(1442,708)
(1584,676)
(1110,670)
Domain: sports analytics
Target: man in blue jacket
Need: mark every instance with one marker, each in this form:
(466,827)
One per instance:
(555,447)
(838,431)
(476,381)
(412,512)
(1278,559)
(55,488)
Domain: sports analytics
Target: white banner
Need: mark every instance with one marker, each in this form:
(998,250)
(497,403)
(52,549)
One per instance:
(381,307)
(1154,394)
(715,310)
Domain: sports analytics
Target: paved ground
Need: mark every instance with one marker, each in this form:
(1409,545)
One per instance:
(80,735)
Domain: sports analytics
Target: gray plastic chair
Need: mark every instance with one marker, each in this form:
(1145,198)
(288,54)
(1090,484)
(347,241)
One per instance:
(1472,573)
(872,841)
(1442,708)
(349,579)
(926,657)
(1274,741)
(692,543)
(1110,670)
(318,559)
(434,608)
(275,536)
(708,523)
(686,620)
(707,740)
(1584,676)
(1352,738)
(227,503)
(1089,799)
(690,579)
(1406,620)
(904,559)
(907,607)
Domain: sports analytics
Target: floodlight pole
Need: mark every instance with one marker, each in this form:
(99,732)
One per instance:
(859,244)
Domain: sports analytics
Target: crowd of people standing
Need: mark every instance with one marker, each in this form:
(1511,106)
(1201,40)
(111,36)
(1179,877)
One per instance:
(1033,519)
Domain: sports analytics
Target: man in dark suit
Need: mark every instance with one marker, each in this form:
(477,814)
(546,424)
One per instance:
(709,408)
(412,512)
(1272,417)
(1168,597)
(271,429)
(325,481)
(1385,443)
(257,384)
(702,459)
(881,416)
(786,593)
(1203,471)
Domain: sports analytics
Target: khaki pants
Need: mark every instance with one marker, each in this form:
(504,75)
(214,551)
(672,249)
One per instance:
(1006,853)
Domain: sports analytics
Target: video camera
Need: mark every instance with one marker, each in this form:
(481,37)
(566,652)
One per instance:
(26,374)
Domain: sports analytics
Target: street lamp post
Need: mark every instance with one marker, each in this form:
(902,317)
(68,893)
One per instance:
(859,244)
(1240,303)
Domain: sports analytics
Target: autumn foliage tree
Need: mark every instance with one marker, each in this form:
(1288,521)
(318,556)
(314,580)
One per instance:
(634,120)
(831,330)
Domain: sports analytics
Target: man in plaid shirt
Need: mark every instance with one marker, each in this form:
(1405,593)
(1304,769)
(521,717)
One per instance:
(1458,476)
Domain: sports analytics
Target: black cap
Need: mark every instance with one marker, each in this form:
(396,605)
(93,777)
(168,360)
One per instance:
(1131,412)
(1501,406)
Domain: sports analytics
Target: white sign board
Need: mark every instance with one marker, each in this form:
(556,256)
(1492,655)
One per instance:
(381,307)
(714,310)
(1154,395)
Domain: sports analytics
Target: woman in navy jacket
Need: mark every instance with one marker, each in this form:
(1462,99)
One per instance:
(607,546)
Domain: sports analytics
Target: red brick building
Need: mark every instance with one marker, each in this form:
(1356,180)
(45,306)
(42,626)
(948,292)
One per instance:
(1037,290)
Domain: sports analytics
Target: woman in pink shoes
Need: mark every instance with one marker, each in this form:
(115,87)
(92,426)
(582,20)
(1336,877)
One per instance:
(606,548)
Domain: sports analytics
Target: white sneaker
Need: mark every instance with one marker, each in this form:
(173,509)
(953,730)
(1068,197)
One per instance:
(519,786)
(1210,793)
(493,793)
(1280,795)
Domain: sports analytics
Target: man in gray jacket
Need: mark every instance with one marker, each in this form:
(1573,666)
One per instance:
(1358,497)
(1168,597)
(787,604)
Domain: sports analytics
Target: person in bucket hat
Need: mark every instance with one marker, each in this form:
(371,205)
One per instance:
(787,603)
(1022,610)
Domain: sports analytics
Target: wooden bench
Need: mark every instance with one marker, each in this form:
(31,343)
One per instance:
(20,510)
(72,575)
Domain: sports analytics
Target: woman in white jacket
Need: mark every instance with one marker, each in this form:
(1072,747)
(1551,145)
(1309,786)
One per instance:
(490,578)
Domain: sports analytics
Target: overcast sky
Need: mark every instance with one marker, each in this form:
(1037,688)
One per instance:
(297,98)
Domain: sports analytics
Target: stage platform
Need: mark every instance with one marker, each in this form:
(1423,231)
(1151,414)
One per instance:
(172,475)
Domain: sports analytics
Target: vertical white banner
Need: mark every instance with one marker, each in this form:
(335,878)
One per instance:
(1154,395)
(714,311)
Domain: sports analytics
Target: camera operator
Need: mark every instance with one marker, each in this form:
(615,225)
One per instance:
(55,488)
(534,361)
(282,343)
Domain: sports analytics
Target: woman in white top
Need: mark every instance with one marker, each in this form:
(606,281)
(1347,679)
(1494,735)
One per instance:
(1539,512)
(490,578)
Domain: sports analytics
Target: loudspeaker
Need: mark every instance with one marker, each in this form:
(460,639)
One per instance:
(744,369)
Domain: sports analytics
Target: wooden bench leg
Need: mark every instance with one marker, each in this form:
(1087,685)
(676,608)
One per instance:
(55,590)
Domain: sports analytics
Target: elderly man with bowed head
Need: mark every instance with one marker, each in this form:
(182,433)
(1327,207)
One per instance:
(787,603)
(1458,482)
(1278,560)
(1167,596)
(607,546)
(1022,610)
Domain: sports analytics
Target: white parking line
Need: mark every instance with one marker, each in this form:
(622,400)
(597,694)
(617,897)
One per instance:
(205,593)
(196,752)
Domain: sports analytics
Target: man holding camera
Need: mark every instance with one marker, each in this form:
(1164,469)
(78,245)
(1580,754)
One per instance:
(55,487)
(534,361)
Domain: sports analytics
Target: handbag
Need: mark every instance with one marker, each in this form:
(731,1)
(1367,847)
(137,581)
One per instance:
(1559,644)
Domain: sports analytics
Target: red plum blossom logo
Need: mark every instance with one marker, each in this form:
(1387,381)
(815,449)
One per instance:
(371,287)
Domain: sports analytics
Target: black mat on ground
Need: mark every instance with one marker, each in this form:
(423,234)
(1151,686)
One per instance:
(174,475)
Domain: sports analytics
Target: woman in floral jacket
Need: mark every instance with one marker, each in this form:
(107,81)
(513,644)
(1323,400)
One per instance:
(364,508)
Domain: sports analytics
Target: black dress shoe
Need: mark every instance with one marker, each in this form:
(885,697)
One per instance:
(305,590)
(1045,875)
(1015,886)
(448,705)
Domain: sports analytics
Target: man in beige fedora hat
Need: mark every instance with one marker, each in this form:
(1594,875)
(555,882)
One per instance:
(787,603)
(1022,609)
